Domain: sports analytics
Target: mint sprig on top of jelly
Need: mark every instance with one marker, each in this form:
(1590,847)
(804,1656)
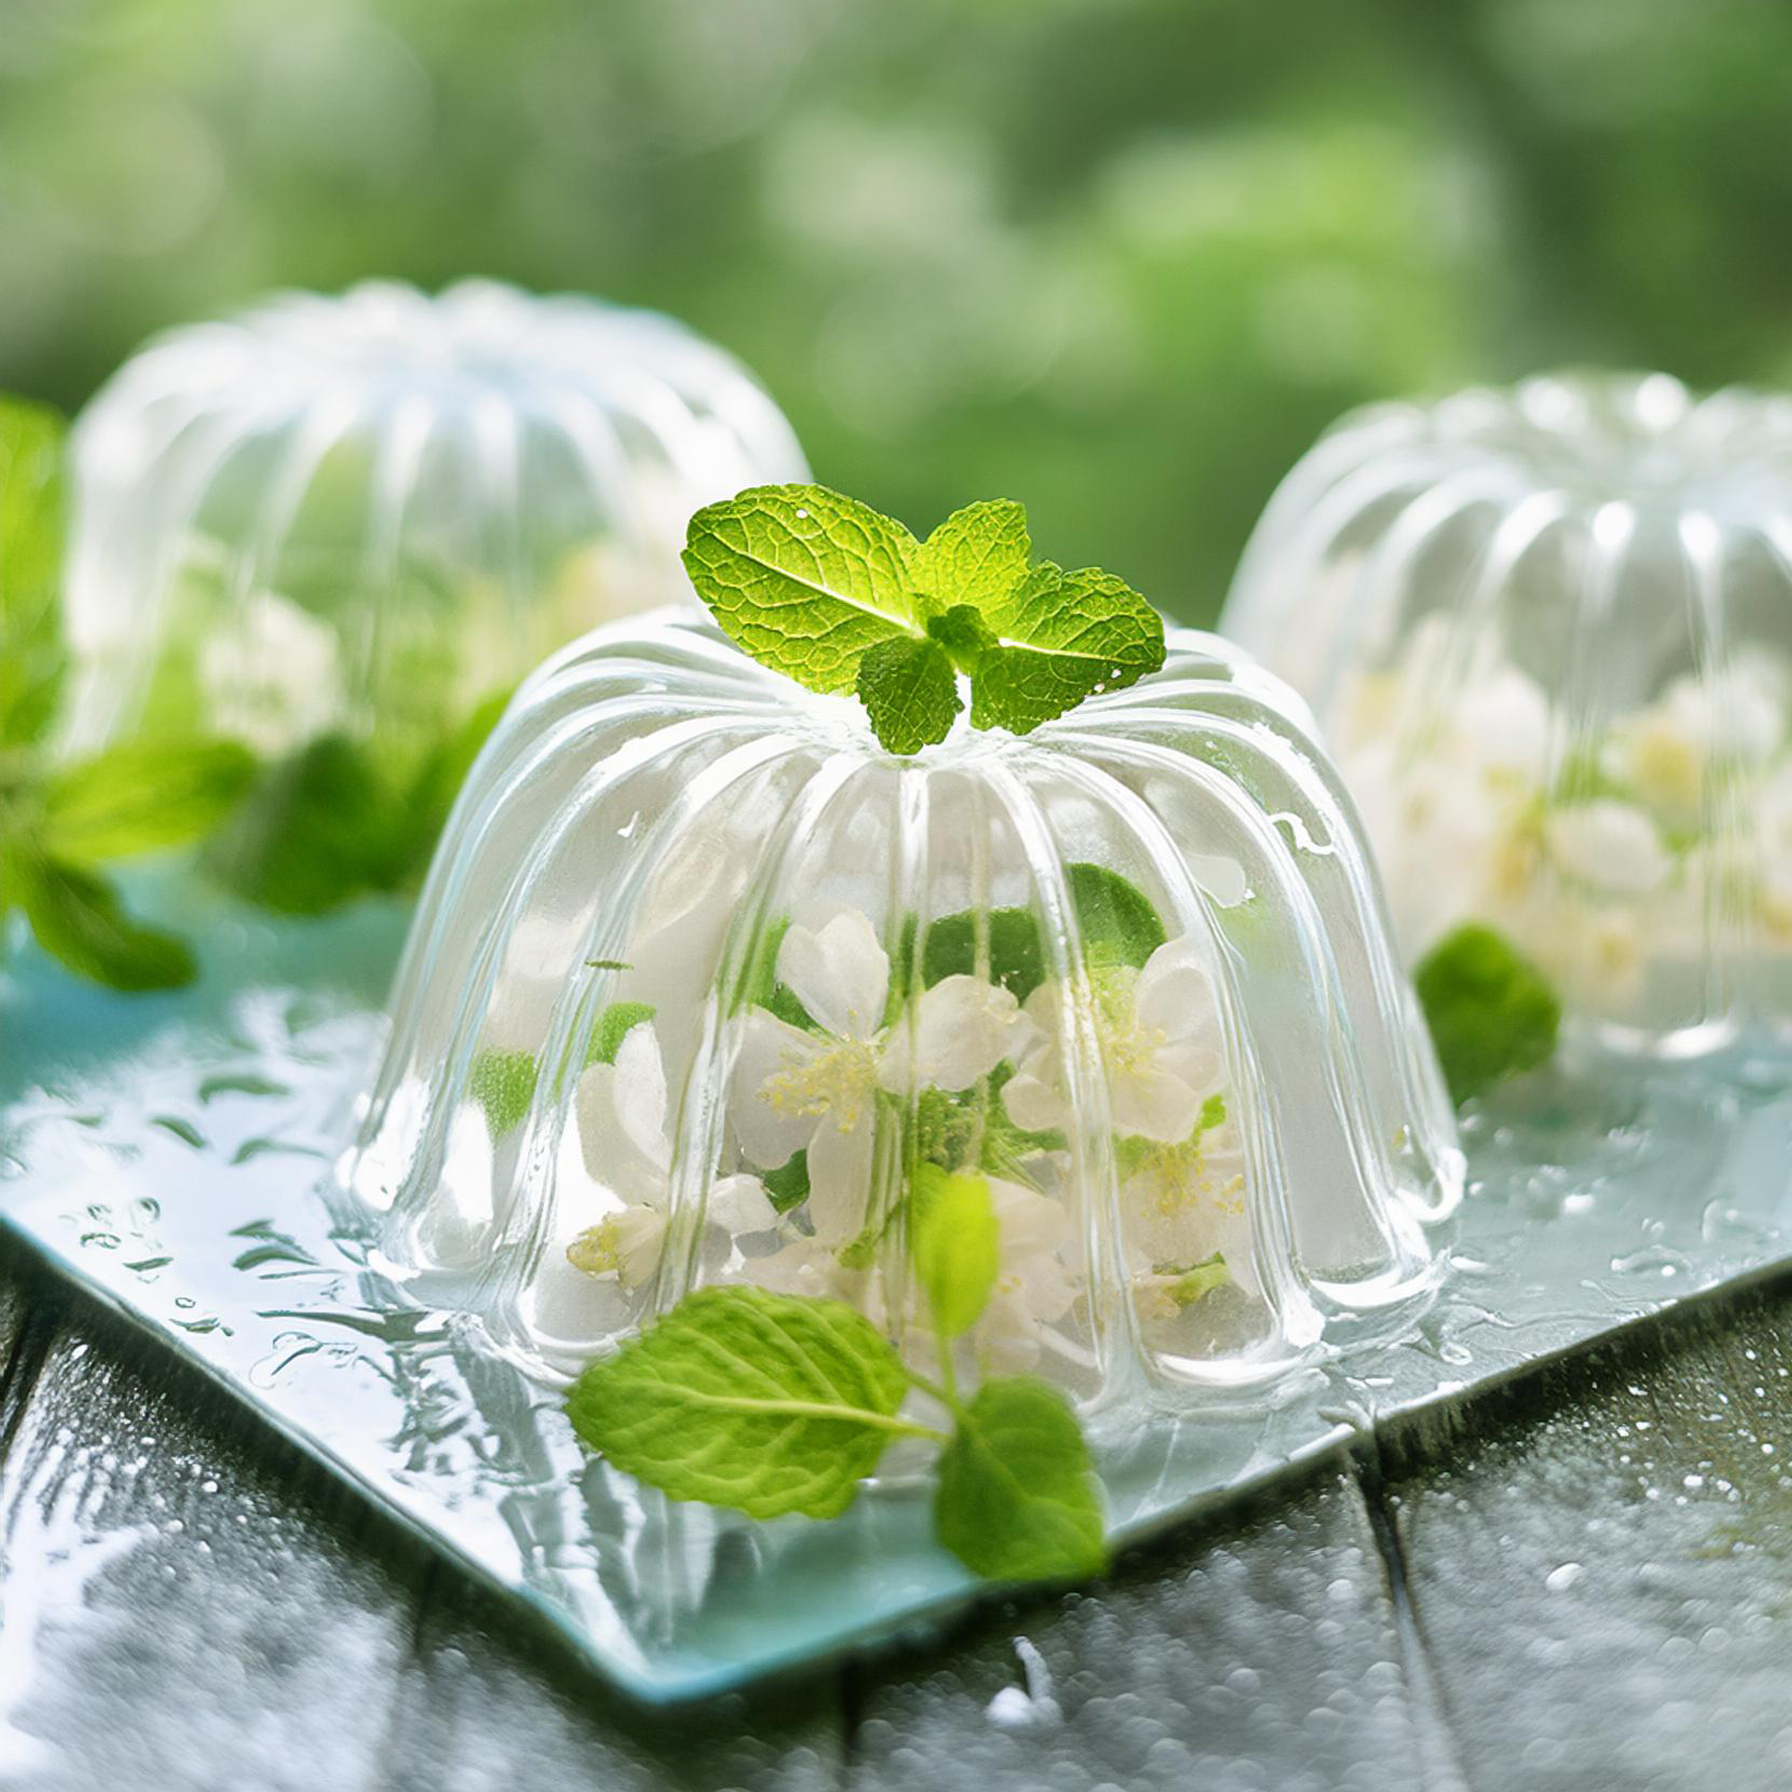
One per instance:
(845,600)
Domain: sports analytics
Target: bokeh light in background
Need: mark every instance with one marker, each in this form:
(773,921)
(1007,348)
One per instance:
(1121,259)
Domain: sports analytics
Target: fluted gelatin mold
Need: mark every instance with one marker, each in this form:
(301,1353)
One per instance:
(701,974)
(365,513)
(1548,633)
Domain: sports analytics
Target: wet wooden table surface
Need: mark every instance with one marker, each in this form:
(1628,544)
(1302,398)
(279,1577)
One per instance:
(1584,1582)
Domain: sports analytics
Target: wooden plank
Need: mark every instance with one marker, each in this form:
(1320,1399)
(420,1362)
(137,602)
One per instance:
(1600,1560)
(188,1601)
(1264,1648)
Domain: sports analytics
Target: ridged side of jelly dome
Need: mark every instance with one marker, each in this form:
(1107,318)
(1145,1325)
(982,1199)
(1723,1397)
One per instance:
(330,505)
(1548,633)
(665,838)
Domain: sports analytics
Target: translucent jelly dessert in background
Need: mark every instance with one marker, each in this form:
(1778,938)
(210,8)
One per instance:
(1548,633)
(366,513)
(701,976)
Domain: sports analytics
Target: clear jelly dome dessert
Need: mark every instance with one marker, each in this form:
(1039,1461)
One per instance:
(1548,633)
(701,976)
(366,513)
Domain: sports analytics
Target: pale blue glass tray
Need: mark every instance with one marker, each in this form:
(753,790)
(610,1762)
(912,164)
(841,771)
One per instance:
(167,1153)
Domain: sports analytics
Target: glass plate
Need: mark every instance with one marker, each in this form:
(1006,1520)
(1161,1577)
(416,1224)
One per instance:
(168,1154)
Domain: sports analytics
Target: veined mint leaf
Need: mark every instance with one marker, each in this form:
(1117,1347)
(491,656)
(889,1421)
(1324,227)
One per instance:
(768,1403)
(804,579)
(909,691)
(1017,1497)
(1065,636)
(31,499)
(139,797)
(955,1241)
(1116,918)
(1491,1012)
(78,919)
(964,635)
(977,556)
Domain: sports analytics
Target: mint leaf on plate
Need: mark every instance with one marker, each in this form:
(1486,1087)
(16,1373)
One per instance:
(910,693)
(1017,1496)
(78,919)
(954,1239)
(768,1403)
(143,796)
(1491,1011)
(1065,636)
(804,579)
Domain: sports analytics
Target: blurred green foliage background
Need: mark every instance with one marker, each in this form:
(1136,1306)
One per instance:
(1121,259)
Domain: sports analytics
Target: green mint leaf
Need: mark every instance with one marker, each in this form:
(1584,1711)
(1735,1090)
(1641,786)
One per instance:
(144,796)
(1213,1113)
(31,504)
(964,635)
(78,920)
(1016,953)
(1116,918)
(954,1238)
(787,1186)
(1491,1012)
(613,1026)
(977,557)
(910,693)
(1065,636)
(768,1403)
(759,984)
(320,827)
(1017,1497)
(804,579)
(1194,1281)
(503,1084)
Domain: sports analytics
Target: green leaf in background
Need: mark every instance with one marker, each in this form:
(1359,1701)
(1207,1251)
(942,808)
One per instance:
(143,796)
(1016,953)
(1017,1497)
(320,827)
(804,579)
(1491,1011)
(1117,920)
(977,557)
(78,919)
(32,442)
(910,693)
(788,1186)
(955,1240)
(768,1403)
(1065,635)
(438,782)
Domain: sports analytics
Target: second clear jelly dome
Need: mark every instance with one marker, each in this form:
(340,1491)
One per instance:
(1549,633)
(701,975)
(363,514)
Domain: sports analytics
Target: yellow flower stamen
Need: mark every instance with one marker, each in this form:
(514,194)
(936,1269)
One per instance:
(597,1251)
(837,1081)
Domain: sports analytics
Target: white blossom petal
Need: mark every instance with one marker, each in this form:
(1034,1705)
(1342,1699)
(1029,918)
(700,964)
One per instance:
(611,1150)
(1175,994)
(641,1093)
(840,1177)
(640,1238)
(1611,845)
(769,1130)
(841,975)
(1152,1103)
(964,1028)
(740,1205)
(1032,1104)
